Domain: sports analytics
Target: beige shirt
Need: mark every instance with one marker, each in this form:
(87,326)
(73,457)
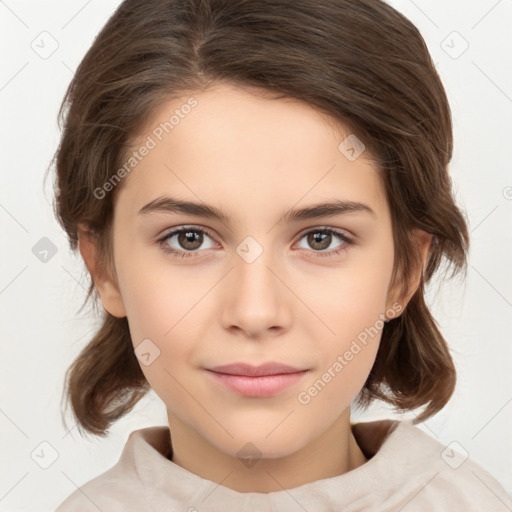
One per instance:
(408,471)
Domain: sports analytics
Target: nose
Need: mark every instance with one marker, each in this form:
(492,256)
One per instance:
(256,301)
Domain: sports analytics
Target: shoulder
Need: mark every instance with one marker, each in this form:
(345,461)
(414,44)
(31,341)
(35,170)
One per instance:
(110,491)
(431,476)
(121,485)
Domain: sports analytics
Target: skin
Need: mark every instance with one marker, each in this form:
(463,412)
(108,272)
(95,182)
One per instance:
(254,158)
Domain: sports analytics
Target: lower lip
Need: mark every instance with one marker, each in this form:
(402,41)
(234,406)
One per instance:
(259,387)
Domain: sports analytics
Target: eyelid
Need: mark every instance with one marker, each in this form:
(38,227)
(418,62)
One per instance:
(210,233)
(344,236)
(183,227)
(347,241)
(339,231)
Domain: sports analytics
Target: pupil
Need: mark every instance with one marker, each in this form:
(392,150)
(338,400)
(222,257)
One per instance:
(321,238)
(190,237)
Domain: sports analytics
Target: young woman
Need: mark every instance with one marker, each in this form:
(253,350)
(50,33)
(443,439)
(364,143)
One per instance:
(259,190)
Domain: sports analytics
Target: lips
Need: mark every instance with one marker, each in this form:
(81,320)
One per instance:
(255,371)
(256,381)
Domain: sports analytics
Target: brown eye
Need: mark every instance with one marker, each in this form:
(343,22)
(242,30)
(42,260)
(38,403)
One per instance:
(319,240)
(186,241)
(190,240)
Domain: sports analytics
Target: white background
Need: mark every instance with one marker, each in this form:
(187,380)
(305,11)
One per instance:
(41,331)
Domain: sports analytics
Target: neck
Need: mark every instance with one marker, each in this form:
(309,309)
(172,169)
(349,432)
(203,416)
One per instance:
(333,453)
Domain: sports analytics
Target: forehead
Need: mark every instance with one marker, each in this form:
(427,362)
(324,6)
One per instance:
(228,145)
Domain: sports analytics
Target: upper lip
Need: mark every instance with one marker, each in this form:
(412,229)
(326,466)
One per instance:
(254,371)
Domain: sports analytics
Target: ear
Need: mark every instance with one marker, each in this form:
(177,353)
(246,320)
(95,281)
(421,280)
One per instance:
(104,283)
(421,241)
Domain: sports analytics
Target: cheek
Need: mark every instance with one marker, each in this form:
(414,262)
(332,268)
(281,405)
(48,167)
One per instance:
(351,305)
(353,298)
(157,316)
(148,307)
(163,307)
(156,296)
(346,355)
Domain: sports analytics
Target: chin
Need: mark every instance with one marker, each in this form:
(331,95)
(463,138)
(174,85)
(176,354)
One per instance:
(258,443)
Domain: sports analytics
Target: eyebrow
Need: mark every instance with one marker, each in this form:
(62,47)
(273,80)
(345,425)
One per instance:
(167,204)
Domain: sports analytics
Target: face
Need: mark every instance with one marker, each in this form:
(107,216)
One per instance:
(259,283)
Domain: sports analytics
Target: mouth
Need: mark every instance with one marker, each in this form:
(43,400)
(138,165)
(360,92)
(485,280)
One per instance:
(256,381)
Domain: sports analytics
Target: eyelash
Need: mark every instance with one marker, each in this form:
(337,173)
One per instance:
(347,242)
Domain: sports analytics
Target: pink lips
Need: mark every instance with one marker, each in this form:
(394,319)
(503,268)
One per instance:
(256,381)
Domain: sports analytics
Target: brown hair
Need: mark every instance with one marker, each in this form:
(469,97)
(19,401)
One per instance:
(359,61)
